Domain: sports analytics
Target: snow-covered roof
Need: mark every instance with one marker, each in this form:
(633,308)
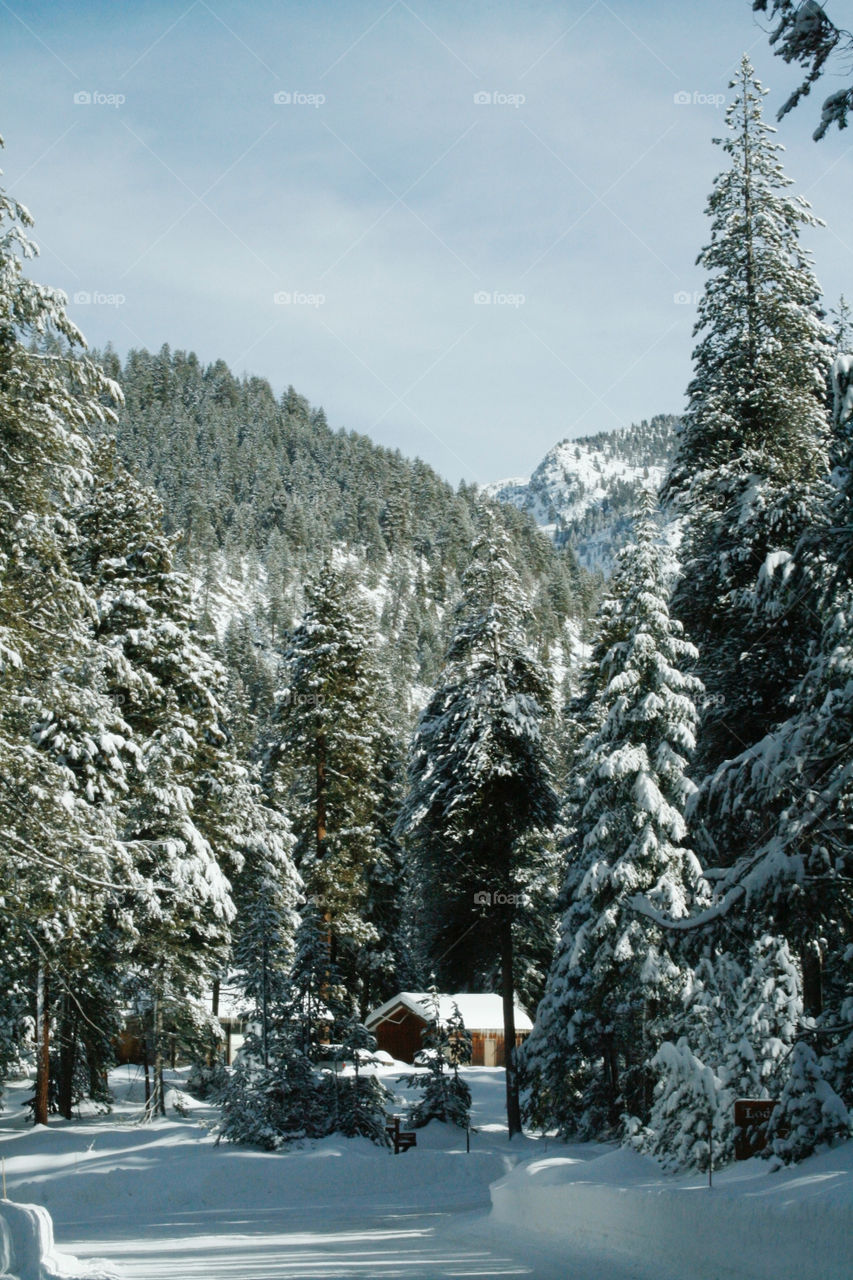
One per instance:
(480,1011)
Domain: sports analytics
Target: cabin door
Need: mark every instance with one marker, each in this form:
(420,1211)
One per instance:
(490,1051)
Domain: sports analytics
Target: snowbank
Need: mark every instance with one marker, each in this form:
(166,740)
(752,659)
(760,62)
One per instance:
(27,1252)
(752,1225)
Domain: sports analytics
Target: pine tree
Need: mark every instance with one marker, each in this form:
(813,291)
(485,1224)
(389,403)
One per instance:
(58,840)
(189,807)
(480,799)
(790,791)
(446,1047)
(361,1102)
(810,1112)
(754,436)
(613,984)
(805,33)
(689,1103)
(330,743)
(272,1106)
(266,894)
(738,1028)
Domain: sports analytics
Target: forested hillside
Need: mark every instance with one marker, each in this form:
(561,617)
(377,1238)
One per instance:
(261,489)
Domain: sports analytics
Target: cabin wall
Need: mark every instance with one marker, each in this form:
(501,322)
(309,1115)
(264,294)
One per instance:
(487,1048)
(400,1034)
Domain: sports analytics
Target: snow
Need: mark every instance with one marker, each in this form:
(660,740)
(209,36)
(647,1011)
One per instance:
(842,380)
(162,1200)
(571,478)
(752,1223)
(27,1251)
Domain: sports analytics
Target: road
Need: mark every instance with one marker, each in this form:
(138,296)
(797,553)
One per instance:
(369,1245)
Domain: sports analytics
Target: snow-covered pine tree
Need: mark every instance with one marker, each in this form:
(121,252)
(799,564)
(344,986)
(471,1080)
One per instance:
(361,1099)
(272,1106)
(791,790)
(740,1023)
(689,1090)
(690,1100)
(810,1112)
(480,800)
(767,1020)
(446,1047)
(185,788)
(330,742)
(754,437)
(613,986)
(266,894)
(318,1001)
(56,838)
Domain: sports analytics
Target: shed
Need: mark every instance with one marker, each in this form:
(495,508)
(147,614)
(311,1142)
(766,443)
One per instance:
(398,1024)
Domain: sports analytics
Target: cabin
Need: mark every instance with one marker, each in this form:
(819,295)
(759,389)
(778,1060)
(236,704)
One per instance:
(398,1024)
(228,1006)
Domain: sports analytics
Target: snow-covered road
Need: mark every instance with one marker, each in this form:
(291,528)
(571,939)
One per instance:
(162,1202)
(375,1244)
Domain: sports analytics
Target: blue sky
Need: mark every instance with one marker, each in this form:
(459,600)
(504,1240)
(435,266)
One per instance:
(465,280)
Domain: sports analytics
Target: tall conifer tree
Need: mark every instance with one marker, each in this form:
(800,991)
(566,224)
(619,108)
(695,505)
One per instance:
(480,801)
(613,982)
(755,433)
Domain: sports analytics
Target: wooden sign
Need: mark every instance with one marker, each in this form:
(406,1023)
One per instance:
(751,1118)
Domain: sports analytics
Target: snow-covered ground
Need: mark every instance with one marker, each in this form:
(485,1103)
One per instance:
(163,1200)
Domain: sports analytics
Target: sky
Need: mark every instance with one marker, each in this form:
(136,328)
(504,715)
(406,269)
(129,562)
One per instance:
(468,230)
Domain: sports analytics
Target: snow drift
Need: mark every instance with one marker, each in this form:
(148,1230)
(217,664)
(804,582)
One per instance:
(27,1251)
(751,1223)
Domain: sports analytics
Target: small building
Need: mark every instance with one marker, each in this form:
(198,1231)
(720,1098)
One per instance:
(398,1024)
(229,1006)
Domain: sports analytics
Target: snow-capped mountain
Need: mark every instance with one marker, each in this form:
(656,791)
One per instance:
(584,491)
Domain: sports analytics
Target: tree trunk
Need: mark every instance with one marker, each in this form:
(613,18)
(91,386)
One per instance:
(214,1009)
(42,1094)
(322,790)
(611,1072)
(811,961)
(265,1010)
(159,1091)
(513,1106)
(646,1055)
(321,833)
(147,1075)
(94,1049)
(67,1057)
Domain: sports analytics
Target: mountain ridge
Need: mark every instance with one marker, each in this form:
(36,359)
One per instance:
(584,491)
